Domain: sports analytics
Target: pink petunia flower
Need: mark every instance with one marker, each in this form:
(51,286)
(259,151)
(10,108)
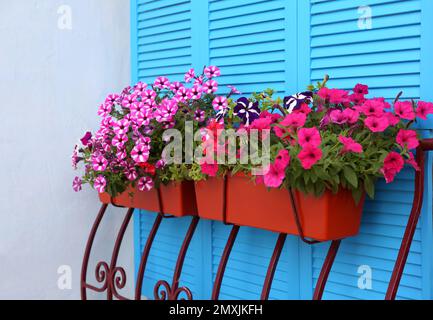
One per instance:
(210,86)
(131,174)
(407,138)
(199,115)
(338,117)
(424,109)
(283,158)
(139,88)
(195,92)
(212,72)
(392,165)
(349,145)
(233,90)
(189,75)
(376,124)
(99,163)
(275,176)
(404,109)
(294,120)
(361,89)
(86,139)
(220,103)
(374,107)
(309,137)
(392,118)
(160,164)
(162,83)
(351,115)
(211,169)
(148,96)
(199,81)
(77,184)
(121,154)
(309,156)
(140,153)
(119,141)
(145,184)
(121,127)
(175,86)
(335,96)
(129,100)
(100,183)
(112,99)
(357,98)
(105,109)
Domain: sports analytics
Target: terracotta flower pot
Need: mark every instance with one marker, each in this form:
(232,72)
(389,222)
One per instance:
(178,199)
(329,217)
(209,194)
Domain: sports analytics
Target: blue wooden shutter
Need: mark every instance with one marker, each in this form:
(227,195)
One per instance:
(388,58)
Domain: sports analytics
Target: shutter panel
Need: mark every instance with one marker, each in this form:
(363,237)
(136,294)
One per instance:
(248,41)
(387,58)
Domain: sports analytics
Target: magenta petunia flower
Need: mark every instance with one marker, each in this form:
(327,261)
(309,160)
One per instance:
(309,156)
(175,86)
(211,169)
(404,110)
(160,164)
(195,92)
(86,139)
(282,159)
(374,107)
(145,184)
(148,96)
(392,165)
(361,89)
(129,100)
(338,117)
(77,184)
(100,183)
(189,75)
(412,162)
(140,153)
(294,120)
(274,176)
(210,87)
(424,109)
(99,163)
(309,137)
(162,83)
(377,124)
(407,138)
(351,115)
(349,145)
(183,94)
(212,72)
(105,109)
(121,154)
(199,115)
(121,127)
(131,174)
(199,81)
(139,88)
(233,89)
(74,157)
(112,99)
(119,141)
(142,117)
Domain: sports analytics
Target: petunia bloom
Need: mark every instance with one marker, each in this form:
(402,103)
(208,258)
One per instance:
(351,115)
(175,86)
(77,184)
(309,137)
(404,109)
(338,117)
(275,176)
(361,89)
(349,145)
(309,156)
(119,141)
(392,165)
(294,120)
(424,109)
(105,109)
(374,107)
(140,153)
(195,92)
(407,138)
(199,115)
(100,183)
(162,83)
(210,87)
(121,126)
(145,184)
(189,75)
(283,158)
(210,169)
(212,72)
(131,174)
(412,161)
(86,139)
(247,110)
(376,124)
(99,163)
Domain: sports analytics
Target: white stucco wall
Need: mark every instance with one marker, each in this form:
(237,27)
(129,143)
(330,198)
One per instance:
(51,82)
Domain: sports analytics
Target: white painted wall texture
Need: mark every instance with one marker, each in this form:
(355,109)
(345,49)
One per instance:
(51,81)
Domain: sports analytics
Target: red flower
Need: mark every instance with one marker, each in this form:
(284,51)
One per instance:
(407,138)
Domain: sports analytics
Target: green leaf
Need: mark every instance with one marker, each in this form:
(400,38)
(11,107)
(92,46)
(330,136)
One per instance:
(369,187)
(350,176)
(357,195)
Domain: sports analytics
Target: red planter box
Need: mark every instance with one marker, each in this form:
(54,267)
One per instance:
(209,194)
(329,217)
(178,199)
